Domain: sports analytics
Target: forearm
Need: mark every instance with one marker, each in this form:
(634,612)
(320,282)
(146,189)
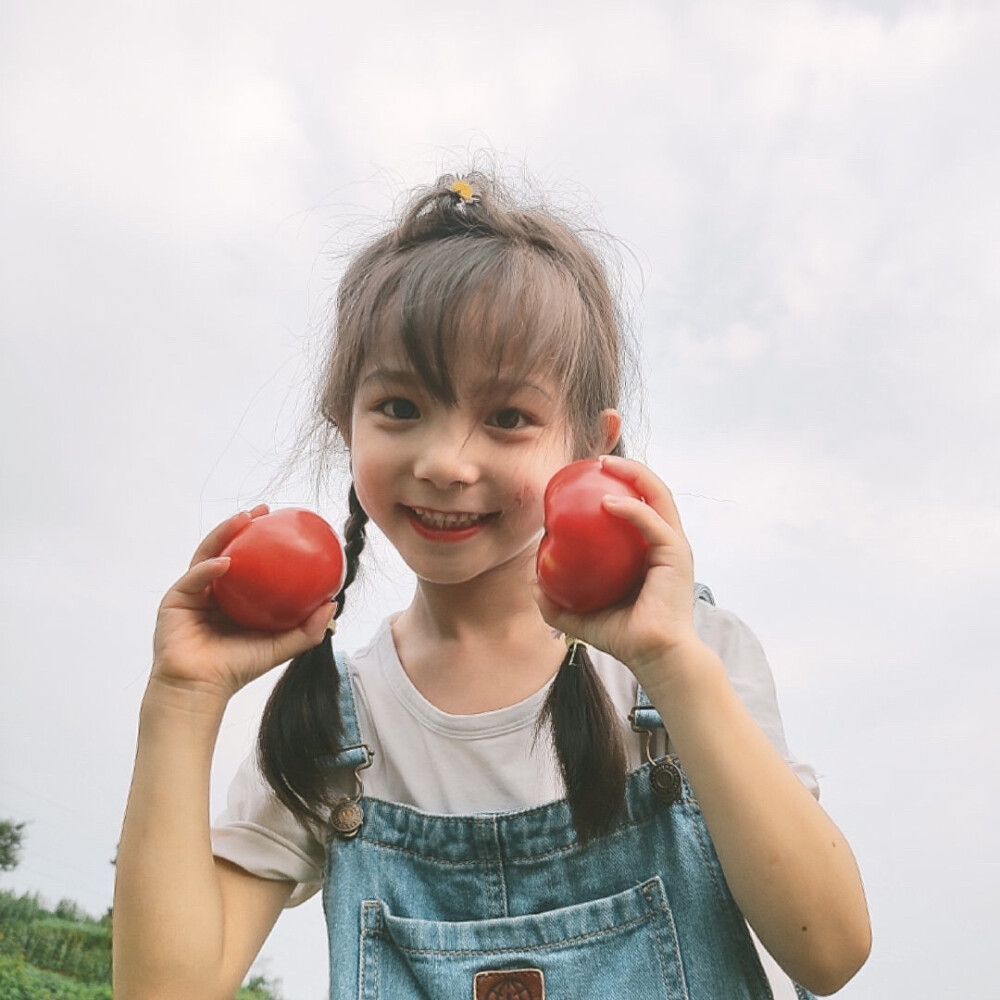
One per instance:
(789,868)
(168,914)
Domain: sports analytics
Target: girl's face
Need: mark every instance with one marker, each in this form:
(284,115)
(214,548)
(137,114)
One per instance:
(458,488)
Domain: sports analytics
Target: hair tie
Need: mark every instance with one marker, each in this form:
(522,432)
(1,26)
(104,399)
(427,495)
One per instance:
(464,191)
(573,645)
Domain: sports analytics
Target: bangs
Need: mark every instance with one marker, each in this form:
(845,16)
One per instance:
(509,309)
(513,295)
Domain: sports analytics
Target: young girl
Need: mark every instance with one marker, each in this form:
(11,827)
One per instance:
(479,800)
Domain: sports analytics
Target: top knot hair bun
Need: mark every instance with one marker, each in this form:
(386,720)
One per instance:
(462,189)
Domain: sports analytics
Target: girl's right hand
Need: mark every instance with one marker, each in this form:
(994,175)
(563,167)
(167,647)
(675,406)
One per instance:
(197,647)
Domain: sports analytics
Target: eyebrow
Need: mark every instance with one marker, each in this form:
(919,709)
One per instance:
(406,376)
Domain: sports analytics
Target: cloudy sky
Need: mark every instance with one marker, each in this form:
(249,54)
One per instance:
(805,195)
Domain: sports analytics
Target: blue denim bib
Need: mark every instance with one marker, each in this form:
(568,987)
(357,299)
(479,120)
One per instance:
(511,906)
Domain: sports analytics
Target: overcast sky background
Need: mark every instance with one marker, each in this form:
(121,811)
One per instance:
(807,194)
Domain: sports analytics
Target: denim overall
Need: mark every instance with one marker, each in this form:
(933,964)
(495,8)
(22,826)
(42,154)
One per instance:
(511,906)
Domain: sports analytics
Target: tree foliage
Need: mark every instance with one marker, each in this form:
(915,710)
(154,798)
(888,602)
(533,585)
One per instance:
(11,841)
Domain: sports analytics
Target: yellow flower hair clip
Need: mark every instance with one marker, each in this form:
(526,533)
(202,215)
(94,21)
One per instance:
(464,191)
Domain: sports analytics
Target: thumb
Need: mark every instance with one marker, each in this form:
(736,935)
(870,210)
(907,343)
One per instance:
(305,636)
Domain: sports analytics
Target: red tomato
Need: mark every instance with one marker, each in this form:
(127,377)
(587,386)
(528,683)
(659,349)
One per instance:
(588,559)
(285,564)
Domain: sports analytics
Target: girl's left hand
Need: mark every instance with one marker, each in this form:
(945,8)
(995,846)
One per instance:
(658,623)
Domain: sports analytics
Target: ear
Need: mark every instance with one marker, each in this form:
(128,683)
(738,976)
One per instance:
(610,422)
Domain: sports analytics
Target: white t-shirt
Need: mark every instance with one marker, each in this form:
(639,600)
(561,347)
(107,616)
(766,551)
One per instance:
(461,764)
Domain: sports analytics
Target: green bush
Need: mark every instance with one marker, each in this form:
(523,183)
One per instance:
(15,909)
(258,988)
(65,954)
(66,909)
(69,943)
(21,981)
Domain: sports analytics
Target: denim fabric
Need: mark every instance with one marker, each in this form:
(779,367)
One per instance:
(417,904)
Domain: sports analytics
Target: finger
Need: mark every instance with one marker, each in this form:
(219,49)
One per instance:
(220,536)
(260,510)
(653,489)
(653,527)
(310,633)
(321,619)
(196,579)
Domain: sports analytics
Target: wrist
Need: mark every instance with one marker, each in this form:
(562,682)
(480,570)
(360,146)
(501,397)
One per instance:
(675,672)
(194,700)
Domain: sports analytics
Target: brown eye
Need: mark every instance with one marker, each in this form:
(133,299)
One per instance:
(399,409)
(510,419)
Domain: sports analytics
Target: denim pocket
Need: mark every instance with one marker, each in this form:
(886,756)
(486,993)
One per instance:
(621,945)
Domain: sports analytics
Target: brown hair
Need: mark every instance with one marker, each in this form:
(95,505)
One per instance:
(468,270)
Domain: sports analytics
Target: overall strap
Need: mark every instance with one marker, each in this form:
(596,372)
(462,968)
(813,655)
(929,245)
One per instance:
(355,753)
(644,717)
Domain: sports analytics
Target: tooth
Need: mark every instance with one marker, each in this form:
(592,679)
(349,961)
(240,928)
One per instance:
(438,519)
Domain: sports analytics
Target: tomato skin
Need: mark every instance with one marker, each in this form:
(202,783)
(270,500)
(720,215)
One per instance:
(588,559)
(283,566)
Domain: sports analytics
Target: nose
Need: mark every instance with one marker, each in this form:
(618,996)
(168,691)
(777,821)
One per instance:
(447,456)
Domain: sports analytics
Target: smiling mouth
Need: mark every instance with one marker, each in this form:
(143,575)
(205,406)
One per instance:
(447,520)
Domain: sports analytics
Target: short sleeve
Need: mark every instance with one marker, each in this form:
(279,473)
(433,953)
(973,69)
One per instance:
(750,675)
(260,835)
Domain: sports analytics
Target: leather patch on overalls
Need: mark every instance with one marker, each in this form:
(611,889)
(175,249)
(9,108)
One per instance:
(509,984)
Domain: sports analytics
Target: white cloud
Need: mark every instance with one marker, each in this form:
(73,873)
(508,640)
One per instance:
(711,358)
(158,125)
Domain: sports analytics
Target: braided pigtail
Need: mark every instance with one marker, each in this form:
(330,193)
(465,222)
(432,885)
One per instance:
(301,723)
(586,735)
(354,543)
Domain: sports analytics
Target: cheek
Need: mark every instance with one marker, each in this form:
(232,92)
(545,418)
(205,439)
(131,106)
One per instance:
(529,504)
(370,487)
(370,483)
(361,491)
(533,479)
(529,496)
